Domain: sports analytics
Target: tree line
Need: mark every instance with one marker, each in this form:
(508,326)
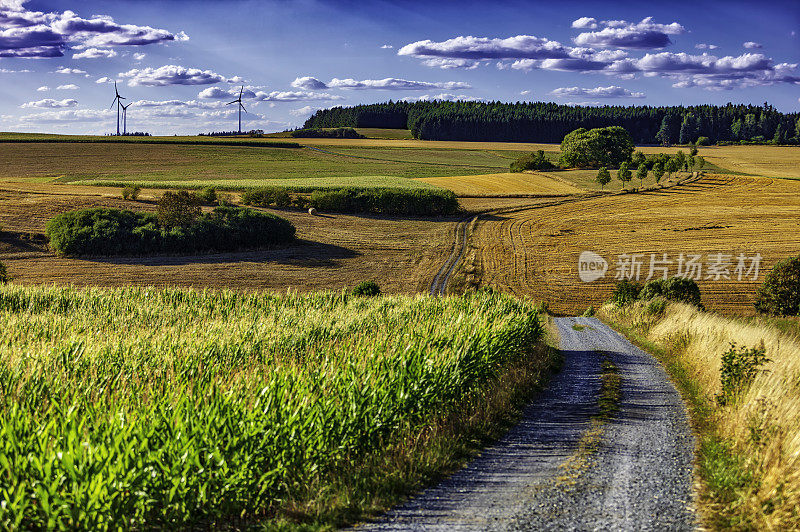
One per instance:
(550,122)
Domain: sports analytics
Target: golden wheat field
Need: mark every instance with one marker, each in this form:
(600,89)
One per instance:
(534,252)
(527,183)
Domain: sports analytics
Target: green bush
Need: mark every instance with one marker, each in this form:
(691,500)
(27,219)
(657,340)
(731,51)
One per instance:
(779,295)
(3,274)
(656,306)
(419,202)
(116,232)
(703,141)
(178,209)
(589,312)
(533,161)
(625,292)
(740,367)
(367,289)
(267,197)
(131,192)
(678,289)
(207,196)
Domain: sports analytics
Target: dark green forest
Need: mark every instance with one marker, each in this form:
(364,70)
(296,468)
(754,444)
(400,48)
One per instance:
(550,122)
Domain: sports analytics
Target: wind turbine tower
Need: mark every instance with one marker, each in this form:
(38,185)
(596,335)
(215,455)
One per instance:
(125,118)
(118,101)
(240,107)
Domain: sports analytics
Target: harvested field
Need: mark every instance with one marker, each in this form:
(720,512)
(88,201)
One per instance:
(504,184)
(534,252)
(335,251)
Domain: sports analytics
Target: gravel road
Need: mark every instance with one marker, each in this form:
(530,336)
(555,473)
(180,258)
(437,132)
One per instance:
(638,477)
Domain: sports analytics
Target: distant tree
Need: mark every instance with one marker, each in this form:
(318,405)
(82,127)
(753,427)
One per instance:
(178,209)
(703,141)
(673,165)
(658,171)
(638,158)
(641,173)
(534,161)
(690,162)
(693,151)
(797,127)
(681,158)
(780,136)
(664,135)
(607,146)
(700,162)
(737,129)
(624,174)
(603,177)
(688,131)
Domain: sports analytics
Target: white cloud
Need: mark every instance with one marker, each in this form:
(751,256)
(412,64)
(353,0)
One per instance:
(395,84)
(36,34)
(95,53)
(43,88)
(104,79)
(750,45)
(294,96)
(49,103)
(446,63)
(483,48)
(645,34)
(585,23)
(597,92)
(443,97)
(67,70)
(706,46)
(308,83)
(525,93)
(170,75)
(68,87)
(304,111)
(139,56)
(387,47)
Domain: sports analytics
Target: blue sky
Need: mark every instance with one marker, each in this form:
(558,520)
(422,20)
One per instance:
(180,61)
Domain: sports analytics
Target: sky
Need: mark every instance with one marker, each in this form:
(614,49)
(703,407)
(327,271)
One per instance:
(179,62)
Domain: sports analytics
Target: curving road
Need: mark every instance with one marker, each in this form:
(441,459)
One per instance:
(638,477)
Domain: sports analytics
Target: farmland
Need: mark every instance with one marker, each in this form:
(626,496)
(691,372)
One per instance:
(218,407)
(534,252)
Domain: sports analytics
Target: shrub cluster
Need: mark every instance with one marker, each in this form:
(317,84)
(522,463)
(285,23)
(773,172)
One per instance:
(267,197)
(131,192)
(318,133)
(779,295)
(533,161)
(740,367)
(386,201)
(3,274)
(367,289)
(114,232)
(679,289)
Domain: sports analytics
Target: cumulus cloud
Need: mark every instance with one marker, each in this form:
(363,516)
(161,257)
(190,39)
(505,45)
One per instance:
(95,53)
(706,46)
(304,111)
(471,49)
(597,92)
(447,63)
(750,45)
(104,79)
(139,56)
(387,47)
(64,115)
(67,70)
(294,96)
(49,103)
(68,87)
(308,83)
(588,23)
(43,88)
(645,34)
(170,75)
(395,84)
(36,34)
(444,97)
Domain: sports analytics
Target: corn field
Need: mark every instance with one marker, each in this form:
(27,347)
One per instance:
(153,408)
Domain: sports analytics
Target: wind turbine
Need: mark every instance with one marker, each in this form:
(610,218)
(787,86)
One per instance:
(240,107)
(125,118)
(117,100)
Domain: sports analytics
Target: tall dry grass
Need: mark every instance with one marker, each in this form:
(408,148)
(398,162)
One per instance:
(761,428)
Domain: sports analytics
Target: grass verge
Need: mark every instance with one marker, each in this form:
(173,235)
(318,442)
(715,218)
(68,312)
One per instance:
(747,453)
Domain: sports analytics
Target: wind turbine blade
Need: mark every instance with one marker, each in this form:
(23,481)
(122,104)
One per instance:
(240,92)
(242,106)
(234,101)
(112,103)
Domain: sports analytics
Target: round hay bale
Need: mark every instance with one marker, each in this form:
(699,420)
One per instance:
(312,211)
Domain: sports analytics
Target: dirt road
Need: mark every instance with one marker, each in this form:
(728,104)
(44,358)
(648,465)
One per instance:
(636,475)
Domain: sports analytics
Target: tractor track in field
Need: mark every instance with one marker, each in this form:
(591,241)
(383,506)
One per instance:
(328,152)
(636,474)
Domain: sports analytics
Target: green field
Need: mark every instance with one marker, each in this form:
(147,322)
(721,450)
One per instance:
(162,165)
(203,409)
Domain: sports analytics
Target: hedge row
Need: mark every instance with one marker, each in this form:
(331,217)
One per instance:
(117,232)
(317,133)
(419,202)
